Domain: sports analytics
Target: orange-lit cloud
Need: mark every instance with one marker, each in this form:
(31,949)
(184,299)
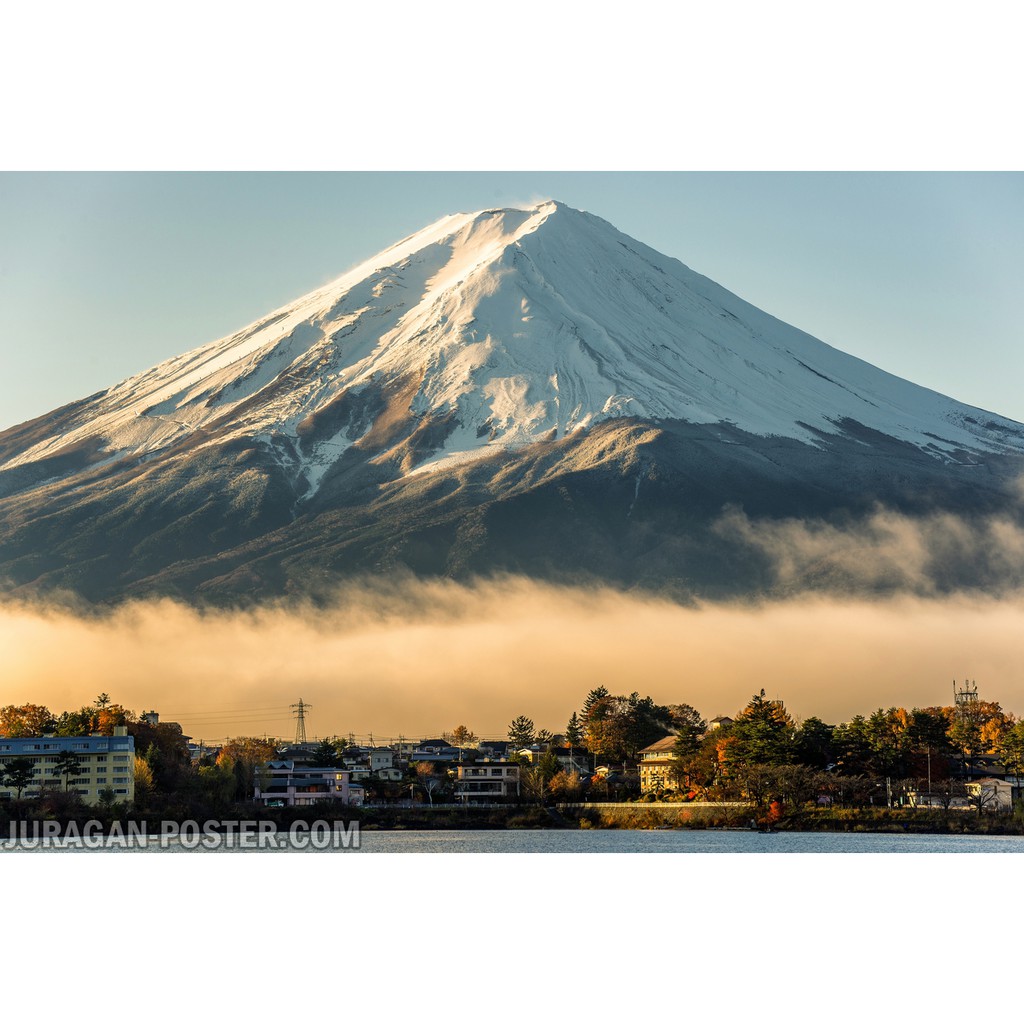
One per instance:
(418,658)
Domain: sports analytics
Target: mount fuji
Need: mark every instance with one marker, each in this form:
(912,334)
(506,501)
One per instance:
(520,390)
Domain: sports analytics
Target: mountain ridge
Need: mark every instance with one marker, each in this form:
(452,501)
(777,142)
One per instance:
(534,359)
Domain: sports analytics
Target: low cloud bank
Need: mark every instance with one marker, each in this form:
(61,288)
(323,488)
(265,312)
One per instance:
(421,657)
(886,552)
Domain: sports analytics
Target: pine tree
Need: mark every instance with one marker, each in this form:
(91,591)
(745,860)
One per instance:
(574,731)
(520,732)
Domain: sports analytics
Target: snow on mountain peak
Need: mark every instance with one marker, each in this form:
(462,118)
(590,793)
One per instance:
(516,326)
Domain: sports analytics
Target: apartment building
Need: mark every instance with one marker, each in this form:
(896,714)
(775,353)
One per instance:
(104,763)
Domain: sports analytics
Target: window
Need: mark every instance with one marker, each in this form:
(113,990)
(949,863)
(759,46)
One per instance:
(102,757)
(120,757)
(121,792)
(100,781)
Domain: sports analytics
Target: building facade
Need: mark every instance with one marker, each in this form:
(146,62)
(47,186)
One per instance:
(658,767)
(287,784)
(487,781)
(106,765)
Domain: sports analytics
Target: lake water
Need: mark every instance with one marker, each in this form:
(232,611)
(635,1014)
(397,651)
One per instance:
(608,841)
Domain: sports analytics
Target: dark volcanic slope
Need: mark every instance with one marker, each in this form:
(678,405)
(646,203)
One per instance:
(626,503)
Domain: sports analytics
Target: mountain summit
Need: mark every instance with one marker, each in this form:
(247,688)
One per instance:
(474,399)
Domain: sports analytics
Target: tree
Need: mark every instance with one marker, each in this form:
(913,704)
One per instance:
(18,773)
(143,779)
(102,700)
(521,732)
(574,731)
(110,716)
(689,727)
(929,744)
(460,736)
(68,764)
(427,778)
(166,751)
(813,743)
(982,798)
(25,720)
(76,723)
(244,754)
(617,728)
(217,782)
(945,791)
(762,733)
(325,755)
(566,787)
(685,716)
(706,768)
(1011,749)
(851,746)
(887,733)
(594,705)
(536,779)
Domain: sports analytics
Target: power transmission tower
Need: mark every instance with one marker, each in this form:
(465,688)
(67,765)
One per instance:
(299,711)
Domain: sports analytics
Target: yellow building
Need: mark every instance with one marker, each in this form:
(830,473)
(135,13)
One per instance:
(104,763)
(657,767)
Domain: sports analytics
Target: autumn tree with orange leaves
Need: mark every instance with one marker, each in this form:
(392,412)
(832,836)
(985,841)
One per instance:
(25,720)
(243,756)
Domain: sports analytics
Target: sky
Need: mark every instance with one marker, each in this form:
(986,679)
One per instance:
(104,274)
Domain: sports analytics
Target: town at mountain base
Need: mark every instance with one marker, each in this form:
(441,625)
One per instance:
(621,761)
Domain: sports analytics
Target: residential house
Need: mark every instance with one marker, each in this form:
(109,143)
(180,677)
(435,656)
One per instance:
(494,749)
(380,757)
(436,751)
(487,782)
(991,794)
(572,759)
(287,784)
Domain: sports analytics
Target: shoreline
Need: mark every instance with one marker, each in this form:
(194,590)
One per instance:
(621,817)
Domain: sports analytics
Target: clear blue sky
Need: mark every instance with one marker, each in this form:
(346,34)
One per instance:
(105,274)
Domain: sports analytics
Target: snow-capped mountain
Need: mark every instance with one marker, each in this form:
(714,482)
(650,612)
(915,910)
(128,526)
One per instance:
(493,353)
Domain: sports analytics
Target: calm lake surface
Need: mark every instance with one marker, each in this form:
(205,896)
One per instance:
(615,841)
